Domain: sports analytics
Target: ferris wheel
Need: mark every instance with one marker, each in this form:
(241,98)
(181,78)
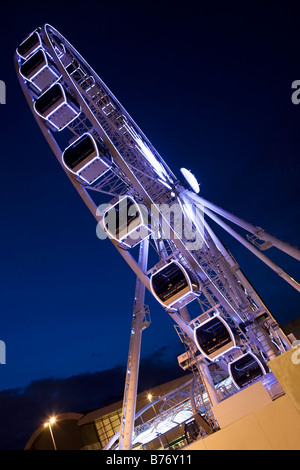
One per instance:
(102,150)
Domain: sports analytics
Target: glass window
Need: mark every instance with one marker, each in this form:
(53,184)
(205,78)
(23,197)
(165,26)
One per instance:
(212,336)
(29,44)
(32,64)
(79,151)
(107,426)
(246,370)
(169,281)
(50,97)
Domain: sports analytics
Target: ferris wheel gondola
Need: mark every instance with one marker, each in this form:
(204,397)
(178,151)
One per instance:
(40,70)
(214,337)
(32,43)
(245,369)
(126,222)
(57,106)
(87,158)
(173,285)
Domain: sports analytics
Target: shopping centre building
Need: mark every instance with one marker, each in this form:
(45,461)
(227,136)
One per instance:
(161,413)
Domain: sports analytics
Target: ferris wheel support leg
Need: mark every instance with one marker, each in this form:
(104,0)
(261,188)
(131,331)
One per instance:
(184,313)
(132,372)
(209,385)
(257,231)
(198,418)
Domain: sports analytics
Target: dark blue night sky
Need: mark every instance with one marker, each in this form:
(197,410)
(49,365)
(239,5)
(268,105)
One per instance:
(210,86)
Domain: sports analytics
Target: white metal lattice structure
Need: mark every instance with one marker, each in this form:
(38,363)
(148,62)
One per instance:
(102,150)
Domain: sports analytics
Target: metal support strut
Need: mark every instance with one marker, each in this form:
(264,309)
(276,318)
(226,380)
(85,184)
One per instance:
(131,382)
(283,246)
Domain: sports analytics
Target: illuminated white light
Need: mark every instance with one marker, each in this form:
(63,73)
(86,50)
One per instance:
(191,179)
(51,421)
(190,211)
(146,152)
(165,184)
(165,426)
(182,416)
(145,437)
(160,427)
(151,158)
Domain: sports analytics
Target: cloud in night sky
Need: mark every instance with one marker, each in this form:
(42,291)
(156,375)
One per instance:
(23,410)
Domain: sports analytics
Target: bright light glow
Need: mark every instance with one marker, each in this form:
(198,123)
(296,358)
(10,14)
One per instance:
(160,426)
(196,216)
(145,437)
(191,179)
(151,158)
(149,397)
(182,416)
(164,426)
(146,152)
(51,421)
(165,184)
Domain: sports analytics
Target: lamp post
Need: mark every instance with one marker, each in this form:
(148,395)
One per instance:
(49,423)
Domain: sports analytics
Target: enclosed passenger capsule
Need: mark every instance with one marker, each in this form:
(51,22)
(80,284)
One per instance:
(57,106)
(87,158)
(245,369)
(173,285)
(40,70)
(127,222)
(31,44)
(214,337)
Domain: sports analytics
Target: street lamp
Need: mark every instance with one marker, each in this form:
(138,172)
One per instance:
(149,396)
(49,423)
